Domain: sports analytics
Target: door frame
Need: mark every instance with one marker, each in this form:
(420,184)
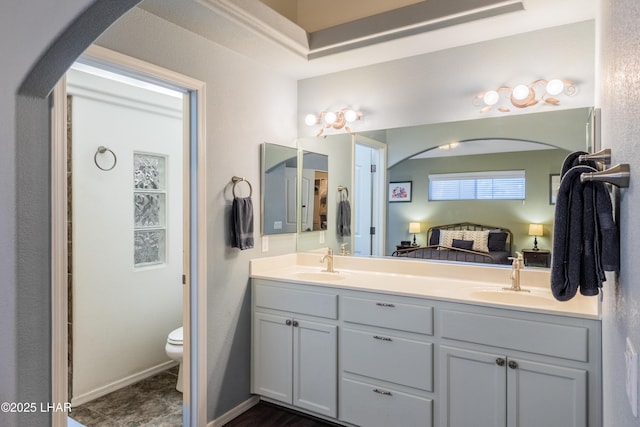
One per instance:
(195,249)
(379,191)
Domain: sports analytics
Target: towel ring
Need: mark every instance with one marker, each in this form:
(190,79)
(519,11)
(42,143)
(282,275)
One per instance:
(101,150)
(237,179)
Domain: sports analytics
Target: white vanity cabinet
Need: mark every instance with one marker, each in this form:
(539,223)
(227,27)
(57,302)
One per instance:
(386,360)
(518,372)
(370,358)
(295,346)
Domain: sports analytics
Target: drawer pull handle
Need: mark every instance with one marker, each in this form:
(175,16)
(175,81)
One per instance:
(385,304)
(513,364)
(288,322)
(295,323)
(383,392)
(500,361)
(378,337)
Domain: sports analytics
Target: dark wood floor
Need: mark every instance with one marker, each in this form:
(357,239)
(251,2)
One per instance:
(268,415)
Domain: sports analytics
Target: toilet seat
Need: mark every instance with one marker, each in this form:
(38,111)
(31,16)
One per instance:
(175,337)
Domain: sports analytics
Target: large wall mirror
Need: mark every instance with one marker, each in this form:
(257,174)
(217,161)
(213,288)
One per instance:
(279,189)
(536,143)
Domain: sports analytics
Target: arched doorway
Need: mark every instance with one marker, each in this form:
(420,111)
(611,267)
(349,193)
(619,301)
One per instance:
(36,261)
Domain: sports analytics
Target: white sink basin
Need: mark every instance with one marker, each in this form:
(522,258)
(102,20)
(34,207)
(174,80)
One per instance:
(505,296)
(318,276)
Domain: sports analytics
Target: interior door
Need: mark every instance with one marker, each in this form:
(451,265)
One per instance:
(363,201)
(291,207)
(306,194)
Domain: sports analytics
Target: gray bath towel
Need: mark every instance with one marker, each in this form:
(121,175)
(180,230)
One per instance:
(344,218)
(242,223)
(585,238)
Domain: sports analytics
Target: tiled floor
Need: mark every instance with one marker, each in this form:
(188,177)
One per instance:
(150,402)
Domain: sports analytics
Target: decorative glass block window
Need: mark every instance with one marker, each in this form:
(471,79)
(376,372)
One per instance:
(149,209)
(486,185)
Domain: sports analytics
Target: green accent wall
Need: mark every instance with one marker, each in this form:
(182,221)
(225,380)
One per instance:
(515,215)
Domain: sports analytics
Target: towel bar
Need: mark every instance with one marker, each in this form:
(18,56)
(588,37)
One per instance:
(343,188)
(618,175)
(237,179)
(603,156)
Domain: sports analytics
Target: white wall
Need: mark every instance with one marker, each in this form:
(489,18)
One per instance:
(24,268)
(440,86)
(247,105)
(619,91)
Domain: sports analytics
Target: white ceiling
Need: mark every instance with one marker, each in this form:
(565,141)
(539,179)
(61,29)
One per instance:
(251,28)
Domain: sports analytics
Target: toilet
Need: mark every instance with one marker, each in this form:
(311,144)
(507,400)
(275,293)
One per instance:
(174,351)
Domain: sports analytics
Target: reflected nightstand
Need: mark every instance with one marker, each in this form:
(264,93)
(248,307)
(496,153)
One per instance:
(541,258)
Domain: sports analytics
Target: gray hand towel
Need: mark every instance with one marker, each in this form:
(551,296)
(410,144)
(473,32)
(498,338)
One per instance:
(242,223)
(344,218)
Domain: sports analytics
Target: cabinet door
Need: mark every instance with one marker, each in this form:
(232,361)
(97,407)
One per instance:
(545,395)
(272,356)
(473,388)
(315,370)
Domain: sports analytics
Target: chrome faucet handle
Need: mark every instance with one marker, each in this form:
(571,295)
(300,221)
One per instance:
(343,249)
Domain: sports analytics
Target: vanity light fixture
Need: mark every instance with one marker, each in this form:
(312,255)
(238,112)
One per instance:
(505,98)
(333,120)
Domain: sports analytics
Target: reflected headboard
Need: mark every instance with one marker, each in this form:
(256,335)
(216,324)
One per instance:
(473,227)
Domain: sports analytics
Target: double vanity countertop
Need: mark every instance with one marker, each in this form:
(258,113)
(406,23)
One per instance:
(462,283)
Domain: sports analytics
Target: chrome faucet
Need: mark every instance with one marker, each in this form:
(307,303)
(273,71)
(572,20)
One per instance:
(329,258)
(517,263)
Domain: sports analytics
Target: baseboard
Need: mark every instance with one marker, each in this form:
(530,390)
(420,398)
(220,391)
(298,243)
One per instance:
(233,413)
(117,385)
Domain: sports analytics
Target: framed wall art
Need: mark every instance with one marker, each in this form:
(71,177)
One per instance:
(400,191)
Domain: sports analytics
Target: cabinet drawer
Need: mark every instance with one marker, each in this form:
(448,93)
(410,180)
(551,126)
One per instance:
(296,301)
(385,357)
(569,342)
(388,314)
(370,405)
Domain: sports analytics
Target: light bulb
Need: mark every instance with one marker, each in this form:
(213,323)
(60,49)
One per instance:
(310,119)
(350,115)
(520,92)
(491,97)
(330,118)
(555,87)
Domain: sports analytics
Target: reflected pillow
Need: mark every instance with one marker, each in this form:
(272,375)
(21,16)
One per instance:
(497,241)
(435,237)
(462,244)
(480,239)
(447,236)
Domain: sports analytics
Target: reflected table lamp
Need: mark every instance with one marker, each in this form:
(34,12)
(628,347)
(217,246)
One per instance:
(414,227)
(535,230)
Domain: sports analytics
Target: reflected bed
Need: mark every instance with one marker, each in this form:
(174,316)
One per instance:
(464,242)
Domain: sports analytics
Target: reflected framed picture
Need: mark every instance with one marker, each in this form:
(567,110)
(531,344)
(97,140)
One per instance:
(554,186)
(400,191)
